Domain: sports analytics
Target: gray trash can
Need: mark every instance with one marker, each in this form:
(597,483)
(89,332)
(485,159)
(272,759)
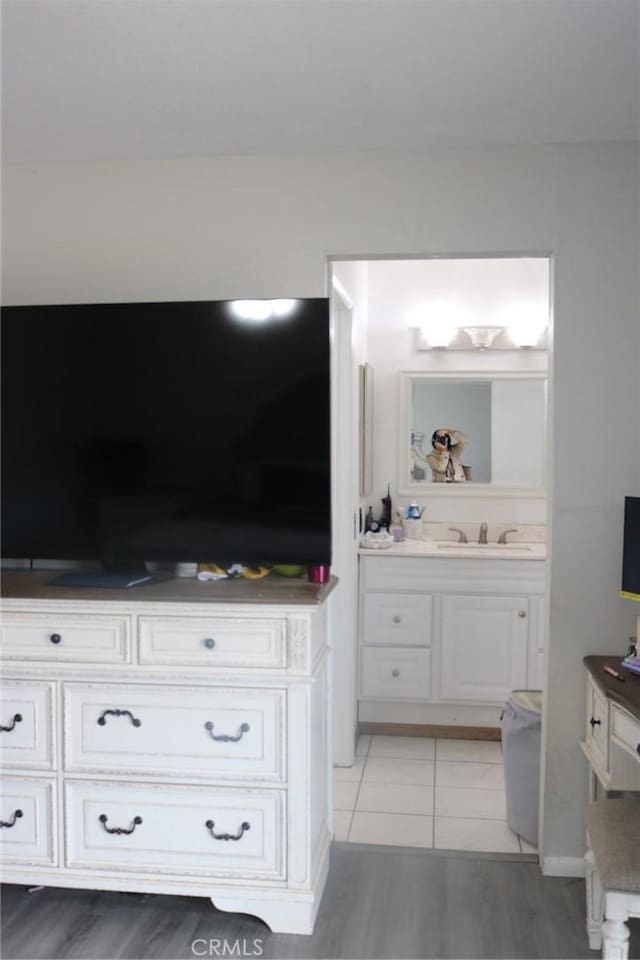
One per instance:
(521,726)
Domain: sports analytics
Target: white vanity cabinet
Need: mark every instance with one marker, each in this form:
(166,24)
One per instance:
(172,739)
(483,647)
(445,640)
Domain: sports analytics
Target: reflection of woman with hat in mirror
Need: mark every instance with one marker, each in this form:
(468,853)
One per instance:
(444,460)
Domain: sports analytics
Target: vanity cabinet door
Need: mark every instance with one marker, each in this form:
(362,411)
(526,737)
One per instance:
(484,647)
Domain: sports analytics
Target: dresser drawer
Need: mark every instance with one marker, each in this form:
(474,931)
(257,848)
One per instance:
(396,673)
(27,813)
(69,637)
(168,830)
(625,730)
(26,721)
(402,619)
(597,732)
(182,732)
(213,641)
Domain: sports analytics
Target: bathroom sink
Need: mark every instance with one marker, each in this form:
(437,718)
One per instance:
(485,547)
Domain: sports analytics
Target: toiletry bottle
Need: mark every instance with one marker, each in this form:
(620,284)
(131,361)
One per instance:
(397,530)
(368,520)
(413,511)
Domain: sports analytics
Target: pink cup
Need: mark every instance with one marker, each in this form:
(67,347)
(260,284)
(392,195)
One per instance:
(319,573)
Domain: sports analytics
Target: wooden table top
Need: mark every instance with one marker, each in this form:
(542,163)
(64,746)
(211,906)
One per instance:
(626,694)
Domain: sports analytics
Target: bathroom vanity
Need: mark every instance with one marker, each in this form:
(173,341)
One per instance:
(448,630)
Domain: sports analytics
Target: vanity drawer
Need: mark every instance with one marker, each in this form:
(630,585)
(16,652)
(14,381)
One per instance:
(68,637)
(597,735)
(168,830)
(402,619)
(625,730)
(27,812)
(26,718)
(183,732)
(213,641)
(396,673)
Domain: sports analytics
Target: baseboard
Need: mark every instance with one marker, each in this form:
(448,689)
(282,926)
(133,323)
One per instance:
(443,731)
(563,866)
(439,714)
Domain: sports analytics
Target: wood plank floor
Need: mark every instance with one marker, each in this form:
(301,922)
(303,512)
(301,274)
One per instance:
(379,903)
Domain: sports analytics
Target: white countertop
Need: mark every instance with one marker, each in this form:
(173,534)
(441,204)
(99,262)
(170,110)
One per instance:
(450,549)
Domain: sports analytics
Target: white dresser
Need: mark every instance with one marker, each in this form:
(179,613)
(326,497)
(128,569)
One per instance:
(169,739)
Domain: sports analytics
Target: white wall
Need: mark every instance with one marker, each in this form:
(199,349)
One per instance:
(349,342)
(263,226)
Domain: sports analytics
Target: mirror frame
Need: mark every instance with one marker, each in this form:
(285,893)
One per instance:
(413,489)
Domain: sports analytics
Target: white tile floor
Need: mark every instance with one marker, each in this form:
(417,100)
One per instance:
(417,792)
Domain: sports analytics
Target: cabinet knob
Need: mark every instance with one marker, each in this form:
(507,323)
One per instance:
(55,638)
(594,722)
(395,672)
(522,614)
(209,643)
(397,618)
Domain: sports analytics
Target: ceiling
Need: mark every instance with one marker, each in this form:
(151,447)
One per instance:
(136,79)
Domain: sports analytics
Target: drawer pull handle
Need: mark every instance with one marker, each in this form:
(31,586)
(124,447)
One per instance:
(594,723)
(397,618)
(102,719)
(227,737)
(210,824)
(119,830)
(16,719)
(11,823)
(395,672)
(209,643)
(55,638)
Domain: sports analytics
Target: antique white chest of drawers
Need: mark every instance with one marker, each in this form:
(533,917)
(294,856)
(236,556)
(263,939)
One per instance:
(171,739)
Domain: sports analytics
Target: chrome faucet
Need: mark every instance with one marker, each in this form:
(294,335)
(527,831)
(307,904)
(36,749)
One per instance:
(482,536)
(462,537)
(503,536)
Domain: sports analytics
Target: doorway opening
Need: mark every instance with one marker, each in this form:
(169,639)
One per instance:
(450,611)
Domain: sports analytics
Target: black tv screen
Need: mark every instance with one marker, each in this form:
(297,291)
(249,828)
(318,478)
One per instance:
(631,549)
(193,431)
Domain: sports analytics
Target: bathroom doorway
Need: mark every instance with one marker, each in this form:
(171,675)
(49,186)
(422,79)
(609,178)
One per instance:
(428,768)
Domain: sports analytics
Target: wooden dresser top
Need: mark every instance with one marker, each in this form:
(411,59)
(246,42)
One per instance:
(626,694)
(28,585)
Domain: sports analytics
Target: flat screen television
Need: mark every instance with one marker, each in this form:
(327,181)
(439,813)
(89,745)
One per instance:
(195,431)
(631,549)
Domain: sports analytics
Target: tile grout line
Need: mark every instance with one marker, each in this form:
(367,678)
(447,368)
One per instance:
(367,756)
(355,802)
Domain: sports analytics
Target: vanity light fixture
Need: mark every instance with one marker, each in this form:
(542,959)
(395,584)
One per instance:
(437,326)
(436,336)
(526,330)
(482,337)
(526,323)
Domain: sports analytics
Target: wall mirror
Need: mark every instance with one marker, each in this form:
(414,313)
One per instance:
(496,422)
